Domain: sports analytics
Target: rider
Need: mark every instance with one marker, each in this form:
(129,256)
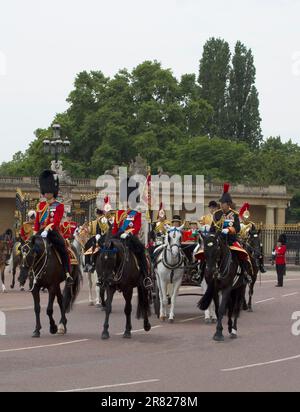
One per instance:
(246,226)
(48,218)
(127,225)
(206,220)
(27,227)
(97,228)
(159,227)
(227,221)
(68,227)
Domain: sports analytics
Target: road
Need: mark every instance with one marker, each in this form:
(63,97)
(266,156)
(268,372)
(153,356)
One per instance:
(179,357)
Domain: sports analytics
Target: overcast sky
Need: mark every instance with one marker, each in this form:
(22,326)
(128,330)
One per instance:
(44,44)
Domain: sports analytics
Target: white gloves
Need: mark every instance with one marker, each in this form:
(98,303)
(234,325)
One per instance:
(44,234)
(98,237)
(124,235)
(225,231)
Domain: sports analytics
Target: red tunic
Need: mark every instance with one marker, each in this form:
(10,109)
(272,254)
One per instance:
(187,236)
(280,255)
(26,231)
(47,214)
(68,229)
(127,221)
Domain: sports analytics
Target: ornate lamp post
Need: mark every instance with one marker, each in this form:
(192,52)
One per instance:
(56,145)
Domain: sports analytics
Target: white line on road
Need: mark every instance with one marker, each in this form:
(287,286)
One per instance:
(111,386)
(190,319)
(43,346)
(254,365)
(290,294)
(139,330)
(266,300)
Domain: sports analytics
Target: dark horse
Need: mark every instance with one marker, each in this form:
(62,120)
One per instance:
(253,247)
(117,269)
(222,276)
(40,257)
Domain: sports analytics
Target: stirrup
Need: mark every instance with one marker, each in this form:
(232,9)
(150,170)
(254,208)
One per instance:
(148,282)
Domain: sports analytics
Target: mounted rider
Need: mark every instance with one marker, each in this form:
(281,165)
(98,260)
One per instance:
(127,226)
(226,220)
(68,227)
(27,228)
(248,226)
(49,216)
(97,228)
(206,220)
(159,230)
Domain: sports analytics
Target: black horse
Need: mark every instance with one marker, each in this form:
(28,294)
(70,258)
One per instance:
(222,276)
(40,257)
(253,247)
(117,269)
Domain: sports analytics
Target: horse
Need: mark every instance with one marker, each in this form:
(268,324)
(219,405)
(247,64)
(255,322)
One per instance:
(4,250)
(253,246)
(222,276)
(15,262)
(169,269)
(117,269)
(40,257)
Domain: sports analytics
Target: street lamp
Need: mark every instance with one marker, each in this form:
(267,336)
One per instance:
(56,145)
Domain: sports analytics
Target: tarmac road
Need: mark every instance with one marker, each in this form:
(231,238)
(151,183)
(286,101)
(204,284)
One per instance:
(179,357)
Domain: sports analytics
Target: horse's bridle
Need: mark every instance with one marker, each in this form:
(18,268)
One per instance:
(34,265)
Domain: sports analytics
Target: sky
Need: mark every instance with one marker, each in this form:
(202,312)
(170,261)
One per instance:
(44,44)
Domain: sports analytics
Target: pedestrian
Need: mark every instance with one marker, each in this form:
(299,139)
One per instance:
(280,261)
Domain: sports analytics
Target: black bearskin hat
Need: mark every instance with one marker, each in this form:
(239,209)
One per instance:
(226,198)
(282,238)
(49,182)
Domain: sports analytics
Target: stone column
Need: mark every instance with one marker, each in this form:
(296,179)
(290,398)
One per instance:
(270,215)
(280,216)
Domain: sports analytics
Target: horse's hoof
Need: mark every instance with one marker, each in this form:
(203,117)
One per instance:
(214,321)
(127,335)
(147,327)
(91,303)
(218,338)
(208,321)
(250,310)
(233,336)
(105,336)
(162,318)
(53,330)
(171,320)
(12,286)
(245,307)
(22,289)
(36,334)
(62,330)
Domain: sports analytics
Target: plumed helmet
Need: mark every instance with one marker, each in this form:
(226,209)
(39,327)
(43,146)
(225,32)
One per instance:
(244,211)
(107,206)
(49,182)
(226,198)
(161,213)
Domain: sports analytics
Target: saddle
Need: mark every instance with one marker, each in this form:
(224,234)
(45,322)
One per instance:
(71,253)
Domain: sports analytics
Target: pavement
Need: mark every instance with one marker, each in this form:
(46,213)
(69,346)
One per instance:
(179,357)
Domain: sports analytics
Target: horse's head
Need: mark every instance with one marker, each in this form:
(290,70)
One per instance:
(254,242)
(108,261)
(212,252)
(173,238)
(32,250)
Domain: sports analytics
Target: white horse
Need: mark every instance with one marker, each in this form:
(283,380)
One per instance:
(169,270)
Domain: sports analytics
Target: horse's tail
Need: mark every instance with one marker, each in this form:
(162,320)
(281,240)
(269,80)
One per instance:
(143,307)
(206,300)
(71,293)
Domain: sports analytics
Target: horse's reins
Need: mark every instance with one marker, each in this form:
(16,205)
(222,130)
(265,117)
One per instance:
(37,275)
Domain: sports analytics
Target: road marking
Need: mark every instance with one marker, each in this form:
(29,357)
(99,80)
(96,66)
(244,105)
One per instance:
(290,294)
(254,365)
(111,386)
(139,330)
(190,319)
(43,346)
(266,300)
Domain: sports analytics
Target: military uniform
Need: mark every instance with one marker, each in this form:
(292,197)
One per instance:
(26,231)
(68,230)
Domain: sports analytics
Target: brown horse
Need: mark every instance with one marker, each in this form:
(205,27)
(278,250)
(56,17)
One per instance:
(40,257)
(4,251)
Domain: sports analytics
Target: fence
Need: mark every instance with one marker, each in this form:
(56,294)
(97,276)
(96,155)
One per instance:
(269,237)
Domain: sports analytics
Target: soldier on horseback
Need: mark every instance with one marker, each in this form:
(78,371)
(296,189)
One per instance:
(68,227)
(127,226)
(248,226)
(227,221)
(27,227)
(48,218)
